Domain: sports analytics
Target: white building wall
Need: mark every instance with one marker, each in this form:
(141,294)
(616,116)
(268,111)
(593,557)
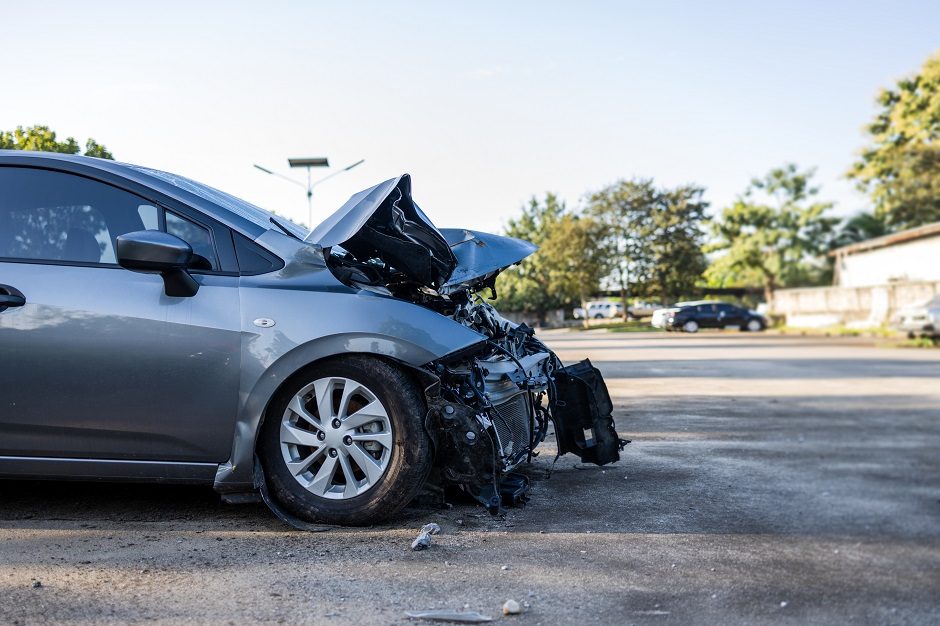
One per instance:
(913,261)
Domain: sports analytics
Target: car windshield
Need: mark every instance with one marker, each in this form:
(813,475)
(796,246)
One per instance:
(239,207)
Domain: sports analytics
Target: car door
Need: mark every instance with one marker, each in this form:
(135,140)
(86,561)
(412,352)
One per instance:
(96,361)
(706,315)
(729,315)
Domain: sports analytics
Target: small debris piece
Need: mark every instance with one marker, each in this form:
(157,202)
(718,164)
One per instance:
(511,608)
(783,604)
(423,540)
(37,584)
(504,567)
(448,615)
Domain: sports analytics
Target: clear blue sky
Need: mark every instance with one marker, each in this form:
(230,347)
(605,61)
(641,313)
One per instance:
(483,103)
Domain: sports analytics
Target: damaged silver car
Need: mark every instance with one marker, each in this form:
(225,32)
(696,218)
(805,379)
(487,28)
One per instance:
(155,329)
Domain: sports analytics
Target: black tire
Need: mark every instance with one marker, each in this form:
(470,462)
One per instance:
(759,325)
(410,456)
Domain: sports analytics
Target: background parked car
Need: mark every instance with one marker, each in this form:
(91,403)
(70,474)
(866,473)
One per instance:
(599,310)
(919,319)
(714,315)
(639,309)
(661,315)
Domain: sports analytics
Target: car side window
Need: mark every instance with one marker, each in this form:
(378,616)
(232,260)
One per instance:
(196,236)
(54,216)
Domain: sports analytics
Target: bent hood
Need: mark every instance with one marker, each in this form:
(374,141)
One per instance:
(384,223)
(481,256)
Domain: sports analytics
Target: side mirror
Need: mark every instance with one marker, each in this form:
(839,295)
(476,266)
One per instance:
(156,252)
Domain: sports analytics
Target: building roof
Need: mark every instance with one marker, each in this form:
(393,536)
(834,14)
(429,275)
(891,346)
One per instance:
(927,230)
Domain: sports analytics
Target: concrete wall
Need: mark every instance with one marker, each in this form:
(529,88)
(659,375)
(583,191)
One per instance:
(855,306)
(912,261)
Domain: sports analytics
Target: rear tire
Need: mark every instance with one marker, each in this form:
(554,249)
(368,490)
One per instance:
(360,464)
(754,326)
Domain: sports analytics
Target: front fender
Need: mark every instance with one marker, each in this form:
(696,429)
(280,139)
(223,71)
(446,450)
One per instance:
(330,324)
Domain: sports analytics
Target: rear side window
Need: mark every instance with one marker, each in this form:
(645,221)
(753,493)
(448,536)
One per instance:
(54,216)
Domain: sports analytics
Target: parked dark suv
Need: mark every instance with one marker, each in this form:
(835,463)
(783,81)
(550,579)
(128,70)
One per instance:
(714,315)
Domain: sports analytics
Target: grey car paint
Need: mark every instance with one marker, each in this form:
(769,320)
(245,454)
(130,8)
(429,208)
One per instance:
(315,317)
(100,363)
(112,331)
(481,255)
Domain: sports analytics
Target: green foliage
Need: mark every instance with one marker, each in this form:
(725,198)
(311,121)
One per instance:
(900,169)
(674,239)
(566,268)
(622,210)
(42,138)
(860,227)
(772,235)
(652,237)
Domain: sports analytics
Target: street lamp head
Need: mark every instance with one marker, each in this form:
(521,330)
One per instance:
(309,162)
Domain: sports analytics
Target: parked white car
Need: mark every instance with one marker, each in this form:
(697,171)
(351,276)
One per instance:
(919,319)
(641,309)
(660,316)
(599,310)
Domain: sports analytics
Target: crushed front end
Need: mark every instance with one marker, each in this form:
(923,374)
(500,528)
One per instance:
(492,406)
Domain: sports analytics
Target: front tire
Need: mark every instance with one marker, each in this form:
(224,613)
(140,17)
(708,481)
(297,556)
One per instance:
(690,327)
(344,442)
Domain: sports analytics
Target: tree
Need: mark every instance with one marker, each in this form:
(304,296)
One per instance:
(523,287)
(42,138)
(652,236)
(773,234)
(621,210)
(674,239)
(860,227)
(900,168)
(574,262)
(566,268)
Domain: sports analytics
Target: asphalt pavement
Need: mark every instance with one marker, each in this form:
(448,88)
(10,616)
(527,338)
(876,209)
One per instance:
(770,480)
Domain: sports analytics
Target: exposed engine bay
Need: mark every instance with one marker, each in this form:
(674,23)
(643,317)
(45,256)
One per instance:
(492,404)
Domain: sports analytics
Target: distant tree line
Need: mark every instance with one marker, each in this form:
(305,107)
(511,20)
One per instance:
(647,241)
(44,139)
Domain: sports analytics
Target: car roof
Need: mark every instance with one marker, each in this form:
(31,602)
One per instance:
(117,172)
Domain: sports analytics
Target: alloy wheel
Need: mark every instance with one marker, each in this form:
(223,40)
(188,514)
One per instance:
(336,438)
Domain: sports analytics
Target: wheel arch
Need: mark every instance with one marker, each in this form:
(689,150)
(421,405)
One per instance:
(238,473)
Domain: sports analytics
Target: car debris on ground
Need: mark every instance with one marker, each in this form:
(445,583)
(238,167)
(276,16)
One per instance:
(449,615)
(511,607)
(423,540)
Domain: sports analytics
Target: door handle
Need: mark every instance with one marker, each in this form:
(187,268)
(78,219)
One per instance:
(10,296)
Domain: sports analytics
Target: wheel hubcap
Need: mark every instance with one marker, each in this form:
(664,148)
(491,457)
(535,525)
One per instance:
(336,438)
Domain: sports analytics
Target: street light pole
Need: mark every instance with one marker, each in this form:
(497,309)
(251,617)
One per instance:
(309,164)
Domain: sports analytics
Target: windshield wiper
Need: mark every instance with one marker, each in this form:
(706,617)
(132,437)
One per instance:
(285,229)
